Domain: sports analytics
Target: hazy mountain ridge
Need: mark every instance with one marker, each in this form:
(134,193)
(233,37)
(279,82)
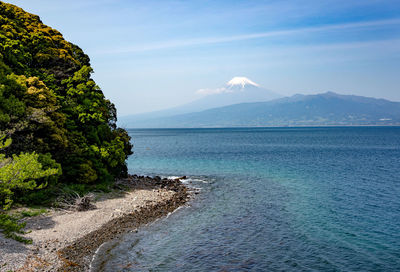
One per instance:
(237,90)
(298,110)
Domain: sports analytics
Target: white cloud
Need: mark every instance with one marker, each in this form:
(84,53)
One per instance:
(213,91)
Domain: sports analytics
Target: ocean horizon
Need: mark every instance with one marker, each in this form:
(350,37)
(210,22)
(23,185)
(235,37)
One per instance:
(199,136)
(271,199)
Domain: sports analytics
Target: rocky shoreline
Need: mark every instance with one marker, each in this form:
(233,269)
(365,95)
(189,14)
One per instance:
(157,198)
(76,256)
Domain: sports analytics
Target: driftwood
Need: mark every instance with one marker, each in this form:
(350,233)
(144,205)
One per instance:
(73,201)
(84,203)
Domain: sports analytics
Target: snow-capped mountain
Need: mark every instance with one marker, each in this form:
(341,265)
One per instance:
(241,81)
(235,91)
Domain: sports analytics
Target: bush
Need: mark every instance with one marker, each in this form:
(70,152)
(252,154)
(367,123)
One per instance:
(20,173)
(11,228)
(17,173)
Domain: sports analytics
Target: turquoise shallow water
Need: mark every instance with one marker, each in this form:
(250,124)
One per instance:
(272,199)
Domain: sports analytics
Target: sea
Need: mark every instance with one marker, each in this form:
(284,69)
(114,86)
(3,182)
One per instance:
(269,199)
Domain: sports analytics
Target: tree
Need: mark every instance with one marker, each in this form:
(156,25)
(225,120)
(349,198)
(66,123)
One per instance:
(17,173)
(49,103)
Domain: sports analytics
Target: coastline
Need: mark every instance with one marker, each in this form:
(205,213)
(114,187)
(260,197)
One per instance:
(68,240)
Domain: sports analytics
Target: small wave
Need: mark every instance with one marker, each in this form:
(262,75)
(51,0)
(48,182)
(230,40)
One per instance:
(173,177)
(177,209)
(188,179)
(100,258)
(196,180)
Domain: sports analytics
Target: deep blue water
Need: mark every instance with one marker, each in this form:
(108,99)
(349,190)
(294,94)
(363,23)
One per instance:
(272,199)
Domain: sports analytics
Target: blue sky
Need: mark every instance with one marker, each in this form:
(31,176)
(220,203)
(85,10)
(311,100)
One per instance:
(149,55)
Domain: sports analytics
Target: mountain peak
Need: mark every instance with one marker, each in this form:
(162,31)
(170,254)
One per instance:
(241,81)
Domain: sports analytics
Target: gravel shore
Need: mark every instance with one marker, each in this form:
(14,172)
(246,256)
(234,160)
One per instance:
(67,240)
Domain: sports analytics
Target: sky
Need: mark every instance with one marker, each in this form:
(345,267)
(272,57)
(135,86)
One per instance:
(150,55)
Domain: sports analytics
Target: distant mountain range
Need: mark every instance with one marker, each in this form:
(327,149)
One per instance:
(326,109)
(237,90)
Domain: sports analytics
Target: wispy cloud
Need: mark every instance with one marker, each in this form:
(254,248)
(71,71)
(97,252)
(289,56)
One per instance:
(226,39)
(213,91)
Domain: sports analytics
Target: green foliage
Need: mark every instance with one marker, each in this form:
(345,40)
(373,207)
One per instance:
(32,212)
(63,129)
(11,228)
(19,173)
(46,195)
(49,104)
